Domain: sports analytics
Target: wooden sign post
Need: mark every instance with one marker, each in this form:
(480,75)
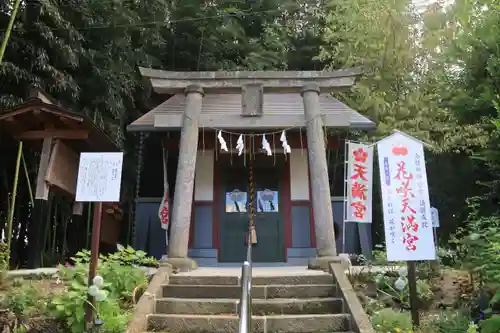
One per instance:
(99,180)
(413,295)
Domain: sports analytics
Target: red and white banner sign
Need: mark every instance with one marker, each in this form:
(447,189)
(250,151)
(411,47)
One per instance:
(359,183)
(405,199)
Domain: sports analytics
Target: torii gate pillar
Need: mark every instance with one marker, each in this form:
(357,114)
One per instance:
(320,184)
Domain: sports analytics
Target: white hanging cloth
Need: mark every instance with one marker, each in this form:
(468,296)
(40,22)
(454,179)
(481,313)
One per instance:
(284,143)
(223,144)
(266,146)
(240,145)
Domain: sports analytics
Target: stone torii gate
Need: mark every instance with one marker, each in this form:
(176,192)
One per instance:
(252,86)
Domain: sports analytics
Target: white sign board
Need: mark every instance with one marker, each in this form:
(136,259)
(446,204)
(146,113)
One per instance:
(359,181)
(99,177)
(405,199)
(435,217)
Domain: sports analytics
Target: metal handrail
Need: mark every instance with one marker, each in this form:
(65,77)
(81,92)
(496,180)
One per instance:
(245,308)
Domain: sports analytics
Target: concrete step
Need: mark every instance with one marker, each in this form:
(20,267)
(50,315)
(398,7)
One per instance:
(173,323)
(260,307)
(266,292)
(256,280)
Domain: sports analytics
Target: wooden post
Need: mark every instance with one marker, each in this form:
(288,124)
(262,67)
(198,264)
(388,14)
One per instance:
(40,218)
(412,286)
(94,256)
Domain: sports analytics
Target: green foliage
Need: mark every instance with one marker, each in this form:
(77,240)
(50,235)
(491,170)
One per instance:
(129,256)
(478,246)
(24,300)
(490,325)
(4,256)
(389,320)
(392,296)
(120,281)
(69,307)
(448,322)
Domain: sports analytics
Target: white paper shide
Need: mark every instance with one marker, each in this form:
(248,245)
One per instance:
(359,183)
(99,177)
(405,199)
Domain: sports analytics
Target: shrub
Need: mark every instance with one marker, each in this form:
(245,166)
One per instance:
(448,322)
(121,276)
(490,325)
(389,320)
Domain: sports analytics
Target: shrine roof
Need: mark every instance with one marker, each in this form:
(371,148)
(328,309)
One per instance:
(40,117)
(280,110)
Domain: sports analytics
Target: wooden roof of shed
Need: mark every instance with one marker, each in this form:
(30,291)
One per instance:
(41,117)
(280,110)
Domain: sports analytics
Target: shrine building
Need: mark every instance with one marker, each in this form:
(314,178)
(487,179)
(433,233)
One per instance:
(209,131)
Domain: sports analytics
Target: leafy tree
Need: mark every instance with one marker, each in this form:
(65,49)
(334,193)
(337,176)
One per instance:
(408,85)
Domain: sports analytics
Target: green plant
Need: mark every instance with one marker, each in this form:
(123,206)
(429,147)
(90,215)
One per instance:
(389,320)
(129,256)
(373,305)
(121,276)
(124,277)
(393,289)
(69,306)
(4,257)
(478,245)
(490,325)
(446,256)
(24,300)
(448,322)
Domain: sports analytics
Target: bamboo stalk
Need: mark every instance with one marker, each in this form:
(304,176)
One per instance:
(13,202)
(8,31)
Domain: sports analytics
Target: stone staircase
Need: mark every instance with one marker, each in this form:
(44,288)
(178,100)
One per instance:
(207,304)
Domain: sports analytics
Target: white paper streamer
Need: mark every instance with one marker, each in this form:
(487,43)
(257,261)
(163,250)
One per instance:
(284,143)
(223,144)
(240,145)
(266,146)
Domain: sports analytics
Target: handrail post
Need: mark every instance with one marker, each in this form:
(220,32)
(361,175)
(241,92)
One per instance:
(245,300)
(245,306)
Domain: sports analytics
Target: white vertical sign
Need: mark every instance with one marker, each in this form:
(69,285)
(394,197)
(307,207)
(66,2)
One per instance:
(405,199)
(99,177)
(359,179)
(435,217)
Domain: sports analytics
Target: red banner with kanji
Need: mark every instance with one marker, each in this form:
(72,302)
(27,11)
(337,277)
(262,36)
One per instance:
(359,182)
(163,211)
